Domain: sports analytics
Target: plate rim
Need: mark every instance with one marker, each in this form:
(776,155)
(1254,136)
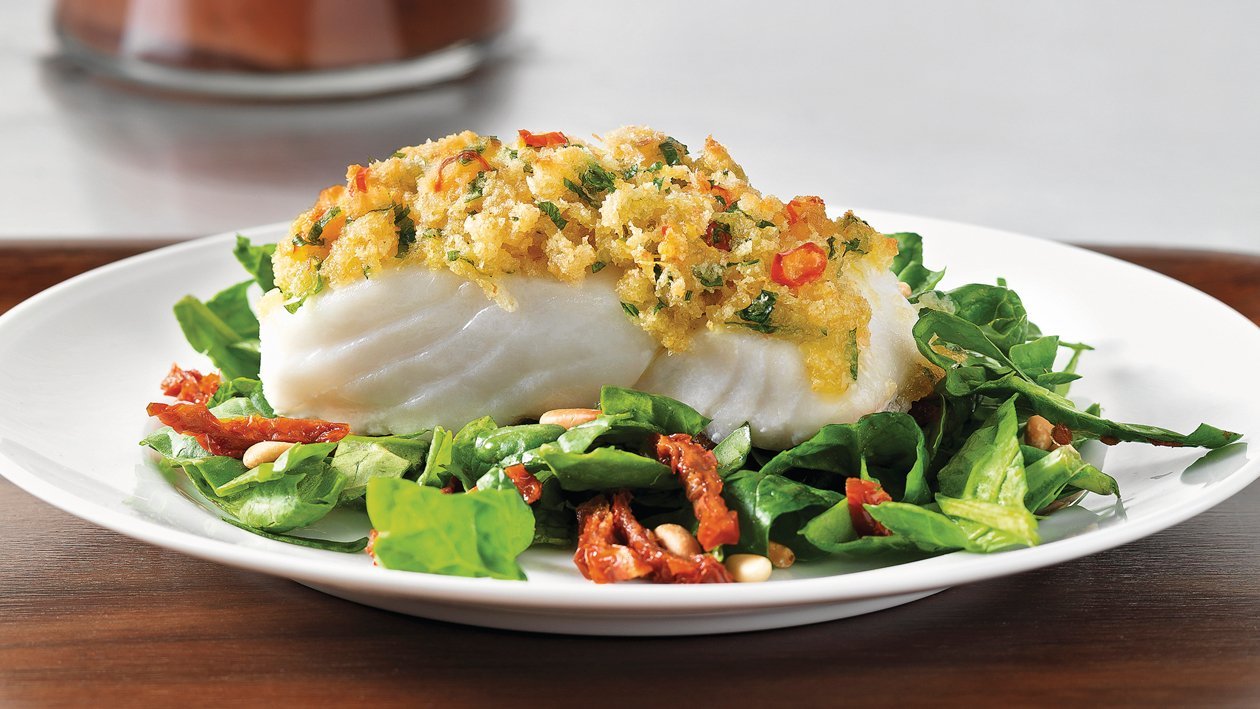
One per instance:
(875,583)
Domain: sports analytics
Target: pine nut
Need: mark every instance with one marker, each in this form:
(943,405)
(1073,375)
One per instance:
(781,557)
(569,418)
(904,288)
(264,452)
(748,568)
(1040,433)
(677,540)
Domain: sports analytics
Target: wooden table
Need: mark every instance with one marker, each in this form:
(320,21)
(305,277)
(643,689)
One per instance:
(88,617)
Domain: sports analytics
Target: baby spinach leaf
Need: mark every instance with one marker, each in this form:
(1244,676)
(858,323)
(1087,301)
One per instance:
(176,448)
(256,260)
(732,451)
(237,407)
(605,469)
(890,444)
(464,463)
(908,266)
(243,387)
(990,525)
(975,365)
(508,445)
(997,311)
(990,465)
(350,547)
(772,507)
(421,529)
(1061,410)
(224,329)
(437,461)
(926,529)
(661,413)
(361,458)
(1049,476)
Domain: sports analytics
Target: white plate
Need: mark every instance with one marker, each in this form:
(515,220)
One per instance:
(79,362)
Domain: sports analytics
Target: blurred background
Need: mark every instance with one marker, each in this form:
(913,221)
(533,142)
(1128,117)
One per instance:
(1105,122)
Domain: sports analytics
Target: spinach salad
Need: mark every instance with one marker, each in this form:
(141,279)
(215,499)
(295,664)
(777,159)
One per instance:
(956,472)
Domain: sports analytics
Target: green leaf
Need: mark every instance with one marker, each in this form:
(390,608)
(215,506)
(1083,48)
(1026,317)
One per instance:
(238,407)
(509,445)
(176,448)
(605,469)
(581,193)
(597,179)
(661,413)
(256,260)
(990,466)
(772,507)
(350,547)
(710,275)
(406,228)
(889,445)
(1050,475)
(277,504)
(732,452)
(224,329)
(464,463)
(759,311)
(421,529)
(296,301)
(246,388)
(362,458)
(908,264)
(315,236)
(831,531)
(997,311)
(437,461)
(926,529)
(672,151)
(1060,410)
(991,525)
(553,213)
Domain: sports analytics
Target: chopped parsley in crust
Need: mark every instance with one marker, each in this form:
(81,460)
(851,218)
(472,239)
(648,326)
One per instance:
(694,242)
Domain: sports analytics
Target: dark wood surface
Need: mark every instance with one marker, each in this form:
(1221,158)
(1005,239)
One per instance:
(88,617)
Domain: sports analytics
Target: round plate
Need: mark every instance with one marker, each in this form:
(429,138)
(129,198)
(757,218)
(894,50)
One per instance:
(79,362)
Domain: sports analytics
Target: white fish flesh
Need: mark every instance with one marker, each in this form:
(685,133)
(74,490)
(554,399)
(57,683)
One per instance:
(414,348)
(736,376)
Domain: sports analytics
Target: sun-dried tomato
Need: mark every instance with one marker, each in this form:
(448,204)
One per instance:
(190,385)
(543,140)
(865,492)
(667,567)
(796,267)
(599,556)
(232,436)
(613,546)
(718,235)
(525,482)
(1061,434)
(800,207)
(464,157)
(697,469)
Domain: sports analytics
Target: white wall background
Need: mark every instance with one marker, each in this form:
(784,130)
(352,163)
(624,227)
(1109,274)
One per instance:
(1095,121)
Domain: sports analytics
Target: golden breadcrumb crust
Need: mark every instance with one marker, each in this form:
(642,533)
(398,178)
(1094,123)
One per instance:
(636,201)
